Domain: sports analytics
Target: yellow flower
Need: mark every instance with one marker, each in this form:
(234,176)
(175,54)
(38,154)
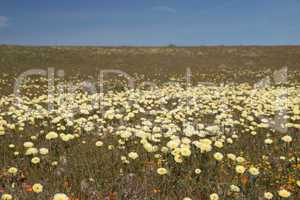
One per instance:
(99,143)
(2,132)
(162,171)
(66,137)
(31,151)
(204,145)
(214,196)
(111,147)
(231,156)
(229,140)
(54,163)
(35,160)
(6,197)
(284,193)
(254,171)
(164,149)
(60,196)
(44,151)
(218,144)
(33,137)
(51,135)
(13,170)
(173,144)
(28,144)
(198,171)
(253,133)
(240,169)
(178,158)
(218,156)
(185,152)
(240,159)
(148,147)
(37,188)
(298,183)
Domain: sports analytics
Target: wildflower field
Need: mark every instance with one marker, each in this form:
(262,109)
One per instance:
(229,133)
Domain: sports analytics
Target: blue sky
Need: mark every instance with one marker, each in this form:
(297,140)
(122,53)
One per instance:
(150,22)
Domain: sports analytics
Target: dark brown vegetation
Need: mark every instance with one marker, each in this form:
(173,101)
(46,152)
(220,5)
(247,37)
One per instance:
(151,61)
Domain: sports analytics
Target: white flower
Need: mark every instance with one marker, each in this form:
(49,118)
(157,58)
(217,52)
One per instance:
(133,155)
(284,193)
(268,141)
(287,139)
(240,169)
(268,195)
(234,188)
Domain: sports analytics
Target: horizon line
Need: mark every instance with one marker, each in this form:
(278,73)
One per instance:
(152,46)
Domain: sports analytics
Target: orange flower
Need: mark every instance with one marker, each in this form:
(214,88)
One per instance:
(156,190)
(73,198)
(245,180)
(112,195)
(28,187)
(66,184)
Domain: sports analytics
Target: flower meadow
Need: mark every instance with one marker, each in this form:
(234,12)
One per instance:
(182,141)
